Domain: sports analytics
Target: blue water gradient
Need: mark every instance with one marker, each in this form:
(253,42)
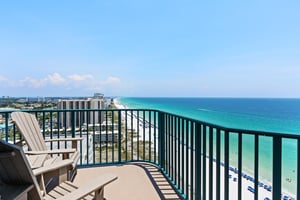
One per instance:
(275,115)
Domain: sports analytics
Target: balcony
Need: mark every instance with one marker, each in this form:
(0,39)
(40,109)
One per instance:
(160,155)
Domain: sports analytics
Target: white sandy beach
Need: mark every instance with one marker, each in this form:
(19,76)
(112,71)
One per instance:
(134,124)
(233,180)
(233,186)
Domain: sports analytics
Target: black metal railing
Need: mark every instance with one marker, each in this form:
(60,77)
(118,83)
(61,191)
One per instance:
(198,158)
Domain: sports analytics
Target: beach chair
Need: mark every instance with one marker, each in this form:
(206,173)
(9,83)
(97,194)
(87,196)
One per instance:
(19,181)
(29,128)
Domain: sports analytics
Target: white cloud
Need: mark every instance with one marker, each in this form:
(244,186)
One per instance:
(5,82)
(55,82)
(55,79)
(78,77)
(51,79)
(28,82)
(2,78)
(111,80)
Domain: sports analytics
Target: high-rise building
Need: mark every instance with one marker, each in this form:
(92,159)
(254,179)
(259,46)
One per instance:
(80,118)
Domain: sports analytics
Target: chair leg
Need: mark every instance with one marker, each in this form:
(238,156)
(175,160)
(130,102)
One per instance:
(72,173)
(41,182)
(99,194)
(62,175)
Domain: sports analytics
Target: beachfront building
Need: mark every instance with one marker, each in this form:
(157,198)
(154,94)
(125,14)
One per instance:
(66,118)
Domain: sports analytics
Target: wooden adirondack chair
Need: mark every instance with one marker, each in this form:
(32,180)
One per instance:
(19,181)
(29,128)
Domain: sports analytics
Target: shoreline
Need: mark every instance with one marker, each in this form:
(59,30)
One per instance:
(264,187)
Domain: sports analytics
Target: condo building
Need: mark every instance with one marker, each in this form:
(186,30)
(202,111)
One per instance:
(81,118)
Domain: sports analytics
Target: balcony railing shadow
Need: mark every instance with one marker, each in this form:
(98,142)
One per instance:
(136,180)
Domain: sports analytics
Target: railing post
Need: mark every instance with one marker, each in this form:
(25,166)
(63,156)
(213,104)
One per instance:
(204,162)
(43,124)
(198,167)
(161,139)
(210,166)
(298,168)
(73,123)
(240,164)
(226,166)
(218,170)
(119,136)
(277,155)
(256,165)
(6,127)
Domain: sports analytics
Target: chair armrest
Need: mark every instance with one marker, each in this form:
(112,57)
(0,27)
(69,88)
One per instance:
(36,161)
(91,186)
(52,167)
(54,151)
(63,139)
(73,140)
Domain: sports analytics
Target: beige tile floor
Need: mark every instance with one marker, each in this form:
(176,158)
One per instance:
(135,181)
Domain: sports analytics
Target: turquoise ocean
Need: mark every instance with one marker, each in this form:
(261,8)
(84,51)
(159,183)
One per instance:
(272,115)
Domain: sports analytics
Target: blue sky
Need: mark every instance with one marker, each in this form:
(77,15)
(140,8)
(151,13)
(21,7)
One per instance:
(150,48)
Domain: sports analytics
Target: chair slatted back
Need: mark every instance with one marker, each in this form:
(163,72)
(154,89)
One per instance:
(29,127)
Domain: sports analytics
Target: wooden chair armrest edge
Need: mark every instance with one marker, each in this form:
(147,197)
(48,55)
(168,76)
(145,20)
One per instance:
(92,186)
(63,139)
(54,151)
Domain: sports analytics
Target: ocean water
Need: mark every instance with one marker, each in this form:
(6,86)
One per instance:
(273,115)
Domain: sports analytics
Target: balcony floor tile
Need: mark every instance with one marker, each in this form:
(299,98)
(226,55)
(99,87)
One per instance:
(135,181)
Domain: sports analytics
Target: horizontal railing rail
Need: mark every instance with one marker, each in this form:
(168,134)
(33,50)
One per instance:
(201,160)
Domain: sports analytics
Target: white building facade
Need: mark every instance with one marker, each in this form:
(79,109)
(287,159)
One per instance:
(82,117)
